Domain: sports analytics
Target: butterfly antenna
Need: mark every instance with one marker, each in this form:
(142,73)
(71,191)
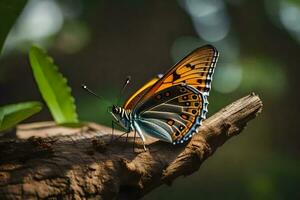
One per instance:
(93,93)
(123,88)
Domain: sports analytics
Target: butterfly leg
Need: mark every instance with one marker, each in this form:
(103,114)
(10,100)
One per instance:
(113,123)
(139,131)
(126,139)
(134,139)
(134,142)
(119,136)
(112,130)
(144,146)
(127,134)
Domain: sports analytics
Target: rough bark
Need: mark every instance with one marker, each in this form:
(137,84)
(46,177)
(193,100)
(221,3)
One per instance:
(82,163)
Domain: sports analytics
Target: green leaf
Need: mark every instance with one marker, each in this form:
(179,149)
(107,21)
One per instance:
(10,10)
(10,115)
(1,115)
(53,87)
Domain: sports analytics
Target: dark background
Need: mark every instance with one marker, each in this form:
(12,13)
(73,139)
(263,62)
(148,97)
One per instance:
(101,42)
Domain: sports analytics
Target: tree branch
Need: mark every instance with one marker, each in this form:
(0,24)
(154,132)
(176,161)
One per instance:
(80,163)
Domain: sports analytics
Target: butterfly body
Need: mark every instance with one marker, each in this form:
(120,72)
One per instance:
(123,117)
(171,107)
(127,119)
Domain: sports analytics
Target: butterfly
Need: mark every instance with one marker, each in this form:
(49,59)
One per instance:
(171,107)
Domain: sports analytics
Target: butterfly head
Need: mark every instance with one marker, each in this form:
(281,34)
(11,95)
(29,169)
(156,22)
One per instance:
(116,110)
(121,115)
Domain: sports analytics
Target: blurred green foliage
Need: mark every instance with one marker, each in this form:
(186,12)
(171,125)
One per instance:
(10,10)
(10,115)
(53,87)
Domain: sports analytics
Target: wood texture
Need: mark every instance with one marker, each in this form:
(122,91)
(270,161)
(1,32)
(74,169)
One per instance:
(82,163)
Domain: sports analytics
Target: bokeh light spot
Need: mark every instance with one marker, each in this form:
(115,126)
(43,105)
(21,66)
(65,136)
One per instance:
(227,78)
(289,15)
(39,20)
(209,17)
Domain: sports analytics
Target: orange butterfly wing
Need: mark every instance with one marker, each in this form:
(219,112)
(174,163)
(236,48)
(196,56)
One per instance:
(133,99)
(196,70)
